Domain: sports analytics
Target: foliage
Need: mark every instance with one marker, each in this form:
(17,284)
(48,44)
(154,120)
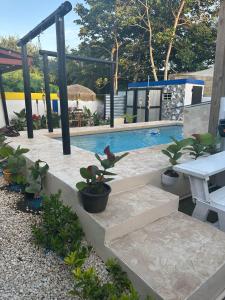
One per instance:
(13,81)
(77,258)
(88,286)
(95,177)
(19,122)
(59,229)
(201,144)
(121,29)
(129,118)
(15,163)
(36,121)
(35,179)
(93,119)
(174,151)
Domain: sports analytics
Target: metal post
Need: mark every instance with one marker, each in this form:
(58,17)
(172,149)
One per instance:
(62,82)
(27,91)
(47,92)
(4,102)
(112,71)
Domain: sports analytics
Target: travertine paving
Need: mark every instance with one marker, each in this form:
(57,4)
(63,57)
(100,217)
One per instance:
(178,256)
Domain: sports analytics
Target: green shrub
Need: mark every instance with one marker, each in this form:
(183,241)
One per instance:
(59,229)
(88,285)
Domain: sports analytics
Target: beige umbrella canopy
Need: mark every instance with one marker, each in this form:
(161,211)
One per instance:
(80,92)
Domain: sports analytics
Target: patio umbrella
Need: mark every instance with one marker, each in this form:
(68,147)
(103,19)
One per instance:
(80,92)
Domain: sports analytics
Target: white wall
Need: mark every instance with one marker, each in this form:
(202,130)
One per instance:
(2,118)
(188,93)
(18,105)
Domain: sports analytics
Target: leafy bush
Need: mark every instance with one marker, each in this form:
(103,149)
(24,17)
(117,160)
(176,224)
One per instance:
(59,229)
(201,144)
(88,286)
(19,122)
(15,163)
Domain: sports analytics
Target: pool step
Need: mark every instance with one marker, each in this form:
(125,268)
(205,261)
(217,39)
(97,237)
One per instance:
(175,257)
(133,209)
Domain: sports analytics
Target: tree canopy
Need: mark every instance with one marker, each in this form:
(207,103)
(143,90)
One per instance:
(150,37)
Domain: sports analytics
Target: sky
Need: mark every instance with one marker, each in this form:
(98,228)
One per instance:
(18,17)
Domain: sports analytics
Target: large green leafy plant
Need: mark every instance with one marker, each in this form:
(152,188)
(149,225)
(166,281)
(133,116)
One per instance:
(15,163)
(35,179)
(96,177)
(200,144)
(19,122)
(174,151)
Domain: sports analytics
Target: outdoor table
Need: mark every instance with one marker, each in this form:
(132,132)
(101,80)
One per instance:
(199,172)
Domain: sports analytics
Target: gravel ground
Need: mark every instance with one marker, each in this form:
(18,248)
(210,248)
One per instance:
(27,272)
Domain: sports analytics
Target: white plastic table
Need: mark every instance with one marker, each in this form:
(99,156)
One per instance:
(199,172)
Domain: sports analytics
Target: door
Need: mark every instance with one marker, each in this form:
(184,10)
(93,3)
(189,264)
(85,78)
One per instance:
(144,104)
(196,95)
(153,104)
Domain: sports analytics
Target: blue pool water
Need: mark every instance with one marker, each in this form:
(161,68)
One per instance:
(127,140)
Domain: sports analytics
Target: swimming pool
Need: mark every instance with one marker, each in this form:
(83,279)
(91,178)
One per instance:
(127,140)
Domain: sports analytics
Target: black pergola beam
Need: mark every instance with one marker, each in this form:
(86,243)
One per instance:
(4,101)
(78,58)
(61,11)
(92,60)
(47,92)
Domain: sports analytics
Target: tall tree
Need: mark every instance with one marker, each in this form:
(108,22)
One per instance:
(102,24)
(165,23)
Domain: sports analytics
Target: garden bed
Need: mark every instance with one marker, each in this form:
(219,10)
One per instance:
(29,272)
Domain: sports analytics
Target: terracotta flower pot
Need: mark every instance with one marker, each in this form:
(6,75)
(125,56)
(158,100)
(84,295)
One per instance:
(7,175)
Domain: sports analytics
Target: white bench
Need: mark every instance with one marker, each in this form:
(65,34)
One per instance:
(199,172)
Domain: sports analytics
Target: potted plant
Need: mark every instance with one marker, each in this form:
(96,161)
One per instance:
(174,152)
(33,190)
(201,144)
(94,191)
(14,167)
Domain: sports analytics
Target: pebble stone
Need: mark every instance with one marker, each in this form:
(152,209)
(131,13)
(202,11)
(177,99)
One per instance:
(26,271)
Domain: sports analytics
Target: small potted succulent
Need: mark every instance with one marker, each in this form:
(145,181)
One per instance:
(174,152)
(94,191)
(33,190)
(14,166)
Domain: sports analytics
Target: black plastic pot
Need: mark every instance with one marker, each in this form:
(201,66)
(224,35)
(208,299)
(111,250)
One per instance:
(95,203)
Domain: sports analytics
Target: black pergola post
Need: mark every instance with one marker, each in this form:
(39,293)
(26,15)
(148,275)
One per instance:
(27,91)
(62,83)
(112,71)
(4,101)
(47,92)
(55,17)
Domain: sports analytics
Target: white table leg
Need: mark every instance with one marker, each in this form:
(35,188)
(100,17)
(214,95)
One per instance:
(201,211)
(221,219)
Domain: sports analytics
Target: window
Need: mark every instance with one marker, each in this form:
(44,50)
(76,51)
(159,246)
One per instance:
(167,96)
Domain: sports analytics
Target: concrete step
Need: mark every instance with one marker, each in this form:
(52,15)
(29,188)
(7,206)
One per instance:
(175,257)
(133,209)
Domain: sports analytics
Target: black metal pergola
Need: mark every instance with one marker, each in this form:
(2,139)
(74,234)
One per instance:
(10,61)
(57,18)
(45,54)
